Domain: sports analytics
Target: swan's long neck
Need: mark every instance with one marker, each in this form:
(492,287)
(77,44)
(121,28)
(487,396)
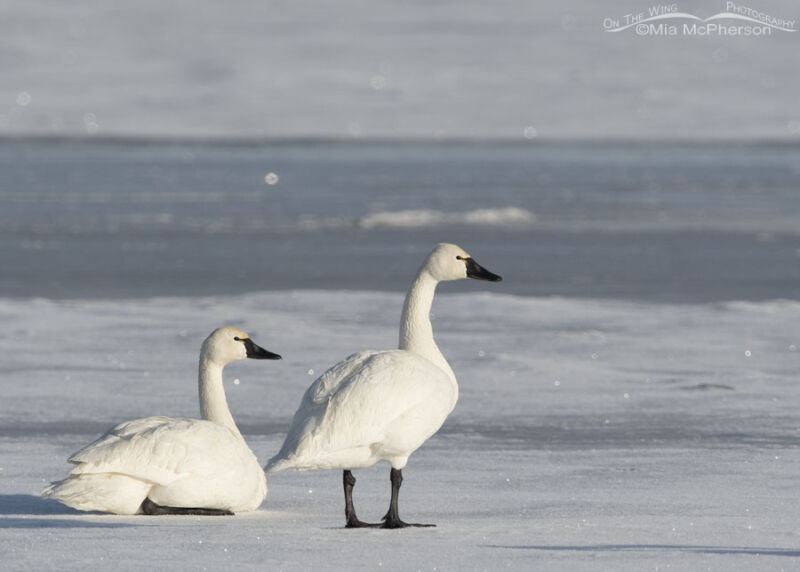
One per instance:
(213,405)
(416,331)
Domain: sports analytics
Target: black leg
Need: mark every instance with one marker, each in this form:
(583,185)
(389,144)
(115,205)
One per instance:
(151,508)
(392,518)
(349,510)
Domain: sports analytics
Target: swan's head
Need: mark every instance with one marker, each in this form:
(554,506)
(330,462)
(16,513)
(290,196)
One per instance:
(228,344)
(451,262)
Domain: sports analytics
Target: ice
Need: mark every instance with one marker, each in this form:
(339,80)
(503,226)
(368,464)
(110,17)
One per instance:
(545,463)
(500,217)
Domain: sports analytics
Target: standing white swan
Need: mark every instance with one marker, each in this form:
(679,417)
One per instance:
(382,405)
(162,465)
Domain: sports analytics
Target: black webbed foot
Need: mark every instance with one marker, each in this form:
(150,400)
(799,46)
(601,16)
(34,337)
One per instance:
(393,521)
(150,508)
(355,523)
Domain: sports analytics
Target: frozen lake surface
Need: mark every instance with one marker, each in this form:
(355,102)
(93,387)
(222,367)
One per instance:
(588,434)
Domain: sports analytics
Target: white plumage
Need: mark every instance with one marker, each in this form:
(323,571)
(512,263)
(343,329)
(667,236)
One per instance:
(201,464)
(381,405)
(374,406)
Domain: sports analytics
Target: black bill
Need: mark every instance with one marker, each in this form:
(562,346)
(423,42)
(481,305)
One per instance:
(478,272)
(254,351)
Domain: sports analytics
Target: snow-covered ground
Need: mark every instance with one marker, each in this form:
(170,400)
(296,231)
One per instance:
(589,434)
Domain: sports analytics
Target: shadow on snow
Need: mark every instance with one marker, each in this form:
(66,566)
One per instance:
(29,505)
(751,551)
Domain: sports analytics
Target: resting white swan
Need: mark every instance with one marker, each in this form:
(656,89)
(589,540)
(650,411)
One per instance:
(381,405)
(161,465)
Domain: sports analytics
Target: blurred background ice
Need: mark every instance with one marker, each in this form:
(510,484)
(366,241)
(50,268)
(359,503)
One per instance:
(514,69)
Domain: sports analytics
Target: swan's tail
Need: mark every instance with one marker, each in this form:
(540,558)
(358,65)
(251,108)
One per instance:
(293,463)
(355,458)
(277,463)
(104,492)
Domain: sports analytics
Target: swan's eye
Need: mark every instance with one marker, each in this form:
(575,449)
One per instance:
(238,339)
(462,259)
